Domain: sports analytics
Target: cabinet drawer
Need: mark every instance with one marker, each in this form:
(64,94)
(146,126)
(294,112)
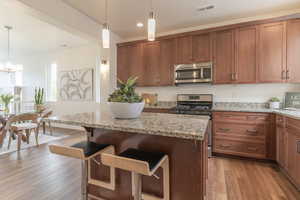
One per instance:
(241,131)
(238,148)
(241,117)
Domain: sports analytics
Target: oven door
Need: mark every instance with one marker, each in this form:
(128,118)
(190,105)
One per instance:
(187,75)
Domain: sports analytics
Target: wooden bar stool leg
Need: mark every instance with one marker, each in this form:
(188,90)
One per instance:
(36,132)
(44,127)
(166,184)
(19,141)
(9,140)
(84,179)
(50,128)
(136,181)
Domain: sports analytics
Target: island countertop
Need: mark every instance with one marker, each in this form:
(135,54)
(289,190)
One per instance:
(169,125)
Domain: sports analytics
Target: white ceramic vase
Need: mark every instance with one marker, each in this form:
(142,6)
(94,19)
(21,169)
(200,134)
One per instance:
(274,105)
(126,110)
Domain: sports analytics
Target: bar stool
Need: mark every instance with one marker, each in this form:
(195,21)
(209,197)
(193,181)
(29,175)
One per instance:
(87,151)
(141,163)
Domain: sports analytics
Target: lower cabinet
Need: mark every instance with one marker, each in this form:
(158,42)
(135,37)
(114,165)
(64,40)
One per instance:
(243,134)
(288,147)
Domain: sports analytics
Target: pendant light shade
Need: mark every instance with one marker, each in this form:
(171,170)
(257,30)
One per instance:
(105,30)
(105,36)
(151,27)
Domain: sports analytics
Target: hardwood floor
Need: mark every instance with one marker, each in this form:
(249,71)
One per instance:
(35,174)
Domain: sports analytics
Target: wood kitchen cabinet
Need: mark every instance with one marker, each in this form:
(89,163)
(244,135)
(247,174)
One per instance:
(293,150)
(184,50)
(243,134)
(281,142)
(130,62)
(293,51)
(202,48)
(151,60)
(246,62)
(223,57)
(168,50)
(272,52)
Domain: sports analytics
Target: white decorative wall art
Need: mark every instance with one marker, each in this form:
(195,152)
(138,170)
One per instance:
(76,85)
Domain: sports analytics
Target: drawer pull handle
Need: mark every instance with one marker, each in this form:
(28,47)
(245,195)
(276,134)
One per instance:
(252,132)
(224,129)
(225,146)
(298,146)
(252,148)
(227,115)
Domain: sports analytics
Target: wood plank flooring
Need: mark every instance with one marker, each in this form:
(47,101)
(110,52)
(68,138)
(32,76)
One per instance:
(35,174)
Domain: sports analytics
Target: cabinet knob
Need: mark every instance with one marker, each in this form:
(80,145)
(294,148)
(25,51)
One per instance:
(252,132)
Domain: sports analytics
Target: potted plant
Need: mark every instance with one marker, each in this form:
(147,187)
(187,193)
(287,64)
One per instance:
(124,102)
(6,99)
(39,100)
(274,103)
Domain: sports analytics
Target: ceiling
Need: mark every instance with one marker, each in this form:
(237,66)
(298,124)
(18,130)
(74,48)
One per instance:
(174,14)
(30,35)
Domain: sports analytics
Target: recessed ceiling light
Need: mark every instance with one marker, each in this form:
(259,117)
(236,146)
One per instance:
(140,24)
(209,7)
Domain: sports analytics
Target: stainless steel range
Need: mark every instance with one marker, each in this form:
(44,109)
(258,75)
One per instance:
(196,104)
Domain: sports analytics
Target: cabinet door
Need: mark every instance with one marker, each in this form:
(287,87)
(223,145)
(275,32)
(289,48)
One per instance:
(151,54)
(167,61)
(293,145)
(202,47)
(224,57)
(129,62)
(293,51)
(272,52)
(246,55)
(281,147)
(184,50)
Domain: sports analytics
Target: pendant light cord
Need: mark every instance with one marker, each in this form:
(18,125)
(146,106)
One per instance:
(151,5)
(8,44)
(106,11)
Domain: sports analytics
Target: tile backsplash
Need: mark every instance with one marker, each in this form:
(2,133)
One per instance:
(259,93)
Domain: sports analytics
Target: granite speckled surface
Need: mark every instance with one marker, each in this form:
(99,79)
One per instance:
(254,107)
(170,125)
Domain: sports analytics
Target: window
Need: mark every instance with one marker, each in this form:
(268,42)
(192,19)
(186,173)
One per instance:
(52,82)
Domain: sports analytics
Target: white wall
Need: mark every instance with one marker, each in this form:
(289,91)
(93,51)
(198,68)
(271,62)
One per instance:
(259,93)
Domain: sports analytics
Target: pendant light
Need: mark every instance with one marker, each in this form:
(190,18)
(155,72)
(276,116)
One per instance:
(8,66)
(151,24)
(105,30)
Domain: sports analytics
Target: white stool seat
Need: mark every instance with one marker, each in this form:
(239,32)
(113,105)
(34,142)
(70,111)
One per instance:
(24,126)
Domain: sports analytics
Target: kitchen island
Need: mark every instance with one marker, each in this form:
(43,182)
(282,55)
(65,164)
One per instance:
(182,137)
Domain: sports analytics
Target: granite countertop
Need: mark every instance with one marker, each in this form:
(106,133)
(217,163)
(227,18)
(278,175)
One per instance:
(169,125)
(289,113)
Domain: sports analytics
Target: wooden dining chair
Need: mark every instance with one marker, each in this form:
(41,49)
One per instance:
(21,126)
(44,115)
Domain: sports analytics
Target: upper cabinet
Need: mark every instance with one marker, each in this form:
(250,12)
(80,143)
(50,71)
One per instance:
(272,52)
(130,62)
(151,60)
(184,50)
(246,62)
(224,57)
(194,49)
(202,48)
(258,53)
(293,51)
(168,50)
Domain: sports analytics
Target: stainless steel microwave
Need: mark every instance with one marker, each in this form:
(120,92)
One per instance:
(193,73)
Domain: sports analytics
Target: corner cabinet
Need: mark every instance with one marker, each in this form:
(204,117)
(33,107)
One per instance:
(288,147)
